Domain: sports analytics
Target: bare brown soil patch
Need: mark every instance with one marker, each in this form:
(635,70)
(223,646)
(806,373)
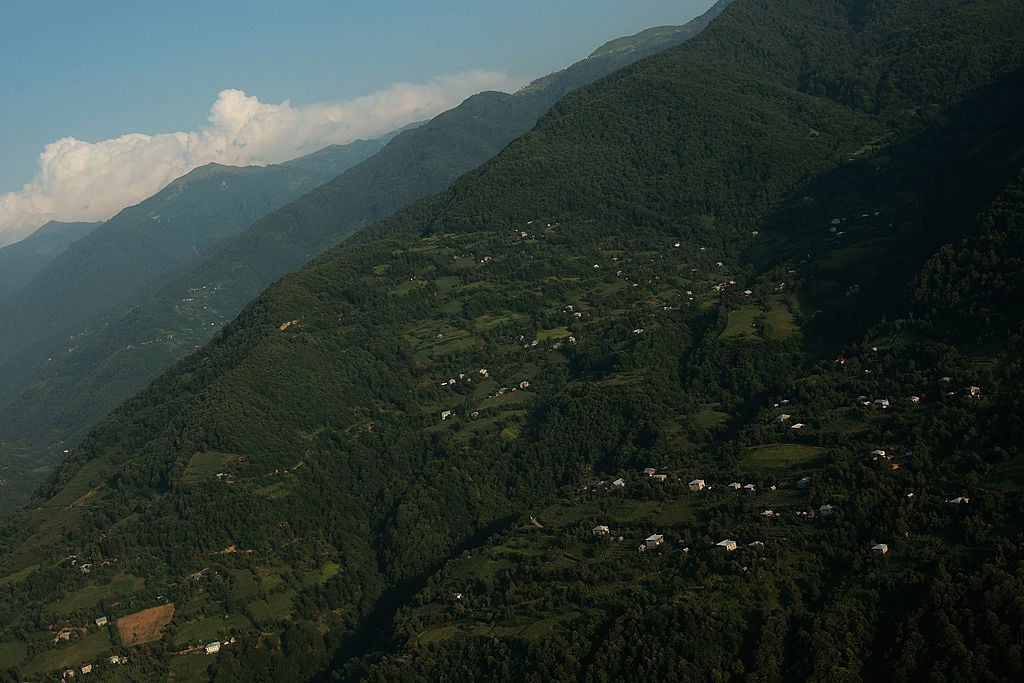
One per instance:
(145,626)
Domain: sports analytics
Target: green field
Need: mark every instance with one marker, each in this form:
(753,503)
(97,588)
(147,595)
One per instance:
(206,466)
(84,651)
(90,596)
(781,457)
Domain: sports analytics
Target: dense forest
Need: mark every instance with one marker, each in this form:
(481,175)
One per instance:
(713,375)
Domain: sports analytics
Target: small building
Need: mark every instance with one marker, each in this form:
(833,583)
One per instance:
(649,471)
(750,488)
(768,513)
(654,540)
(727,545)
(117,659)
(878,452)
(784,417)
(697,485)
(619,483)
(797,425)
(826,510)
(660,477)
(85,669)
(959,500)
(735,486)
(102,621)
(212,648)
(880,549)
(600,530)
(445,414)
(881,403)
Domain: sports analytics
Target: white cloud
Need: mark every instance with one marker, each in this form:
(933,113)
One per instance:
(88,181)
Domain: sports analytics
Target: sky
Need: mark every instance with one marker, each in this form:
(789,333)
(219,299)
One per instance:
(104,102)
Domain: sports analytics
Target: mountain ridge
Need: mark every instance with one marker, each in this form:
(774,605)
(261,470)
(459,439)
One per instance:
(398,459)
(60,393)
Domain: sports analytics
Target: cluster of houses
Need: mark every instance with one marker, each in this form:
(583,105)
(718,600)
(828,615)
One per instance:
(85,669)
(655,541)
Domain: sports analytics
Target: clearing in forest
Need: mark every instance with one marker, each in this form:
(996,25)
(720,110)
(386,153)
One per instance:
(145,626)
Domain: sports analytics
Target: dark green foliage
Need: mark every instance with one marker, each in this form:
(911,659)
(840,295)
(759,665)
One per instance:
(394,459)
(56,393)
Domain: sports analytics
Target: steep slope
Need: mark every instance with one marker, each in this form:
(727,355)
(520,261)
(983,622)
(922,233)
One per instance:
(392,462)
(176,225)
(20,262)
(58,389)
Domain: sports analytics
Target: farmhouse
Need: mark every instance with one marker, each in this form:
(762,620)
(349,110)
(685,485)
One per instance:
(654,540)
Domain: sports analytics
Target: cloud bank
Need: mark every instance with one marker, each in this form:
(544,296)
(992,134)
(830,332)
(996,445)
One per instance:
(89,181)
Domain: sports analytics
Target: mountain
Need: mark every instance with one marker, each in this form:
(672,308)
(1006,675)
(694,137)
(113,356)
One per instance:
(742,261)
(21,261)
(59,387)
(175,226)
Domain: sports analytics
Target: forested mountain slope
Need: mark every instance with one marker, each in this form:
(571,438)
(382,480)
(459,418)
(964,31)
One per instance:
(178,224)
(60,386)
(21,261)
(401,461)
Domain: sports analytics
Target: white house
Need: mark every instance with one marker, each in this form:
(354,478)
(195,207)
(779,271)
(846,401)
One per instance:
(212,648)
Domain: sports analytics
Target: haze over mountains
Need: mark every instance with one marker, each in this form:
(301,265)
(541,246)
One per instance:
(20,262)
(122,305)
(712,374)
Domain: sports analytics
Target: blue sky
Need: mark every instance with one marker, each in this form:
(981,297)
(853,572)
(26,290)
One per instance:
(97,70)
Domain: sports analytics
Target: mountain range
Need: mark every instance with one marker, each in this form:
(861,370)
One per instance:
(21,262)
(120,306)
(712,374)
